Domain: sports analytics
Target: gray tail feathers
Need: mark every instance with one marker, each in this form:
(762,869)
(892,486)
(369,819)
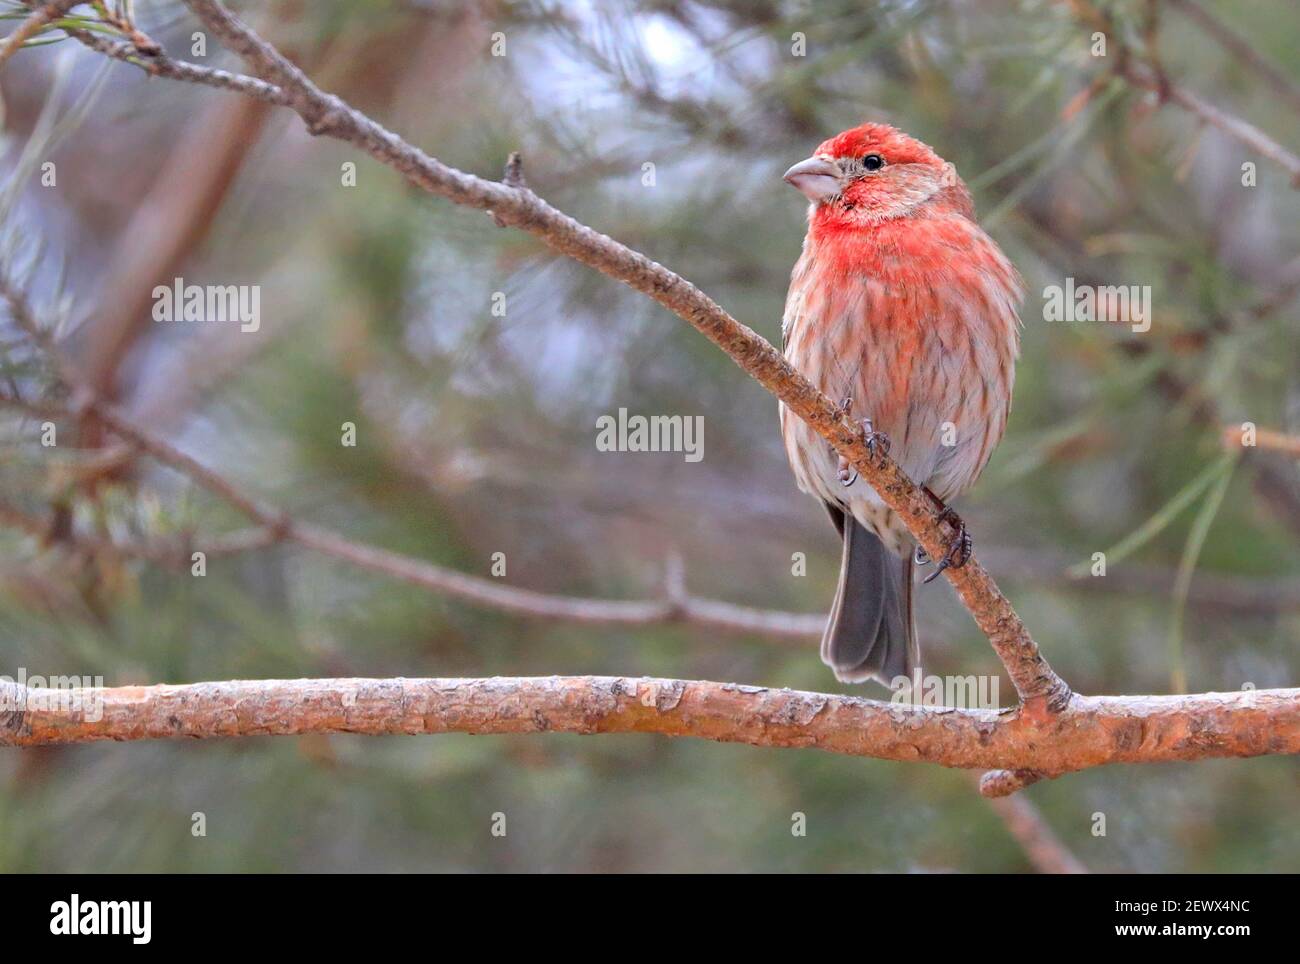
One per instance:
(870,633)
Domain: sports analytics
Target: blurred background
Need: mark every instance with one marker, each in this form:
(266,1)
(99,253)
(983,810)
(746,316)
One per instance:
(475,429)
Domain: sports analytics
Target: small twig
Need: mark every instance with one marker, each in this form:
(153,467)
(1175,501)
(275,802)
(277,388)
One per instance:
(1243,132)
(1003,783)
(38,20)
(1041,845)
(1150,76)
(1241,48)
(275,525)
(1265,438)
(514,176)
(160,65)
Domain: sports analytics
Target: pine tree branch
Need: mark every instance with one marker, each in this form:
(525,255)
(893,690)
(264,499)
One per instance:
(1092,731)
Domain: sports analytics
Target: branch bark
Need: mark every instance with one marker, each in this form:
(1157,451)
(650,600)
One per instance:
(1092,731)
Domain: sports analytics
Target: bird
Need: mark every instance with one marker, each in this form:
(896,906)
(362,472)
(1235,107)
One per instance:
(904,312)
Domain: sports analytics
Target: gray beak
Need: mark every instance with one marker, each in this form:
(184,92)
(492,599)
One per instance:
(817,179)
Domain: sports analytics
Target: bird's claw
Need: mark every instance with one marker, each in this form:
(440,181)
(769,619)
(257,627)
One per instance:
(959,548)
(876,442)
(848,474)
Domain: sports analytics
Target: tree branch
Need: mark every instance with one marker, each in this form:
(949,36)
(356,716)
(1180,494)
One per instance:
(1092,731)
(1041,845)
(40,18)
(1243,132)
(1240,48)
(158,64)
(1150,76)
(276,526)
(519,207)
(1265,438)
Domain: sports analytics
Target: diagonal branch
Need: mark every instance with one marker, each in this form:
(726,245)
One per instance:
(40,18)
(1241,49)
(519,207)
(1242,131)
(1041,845)
(1091,731)
(1150,75)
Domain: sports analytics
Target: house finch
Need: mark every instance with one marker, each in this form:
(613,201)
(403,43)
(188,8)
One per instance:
(903,308)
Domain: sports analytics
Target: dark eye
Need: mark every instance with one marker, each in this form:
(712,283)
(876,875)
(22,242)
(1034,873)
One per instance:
(873,162)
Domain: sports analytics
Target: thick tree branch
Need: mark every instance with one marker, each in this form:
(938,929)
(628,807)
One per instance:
(1092,731)
(519,207)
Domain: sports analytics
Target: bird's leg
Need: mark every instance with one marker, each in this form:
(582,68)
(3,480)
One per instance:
(846,472)
(959,549)
(920,556)
(876,443)
(874,439)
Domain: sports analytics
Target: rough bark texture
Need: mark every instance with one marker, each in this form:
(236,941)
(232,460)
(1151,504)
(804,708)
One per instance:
(1090,731)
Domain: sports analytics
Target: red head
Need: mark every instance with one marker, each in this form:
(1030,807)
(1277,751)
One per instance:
(874,173)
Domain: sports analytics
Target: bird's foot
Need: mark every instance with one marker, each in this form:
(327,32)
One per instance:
(848,474)
(845,471)
(959,548)
(877,444)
